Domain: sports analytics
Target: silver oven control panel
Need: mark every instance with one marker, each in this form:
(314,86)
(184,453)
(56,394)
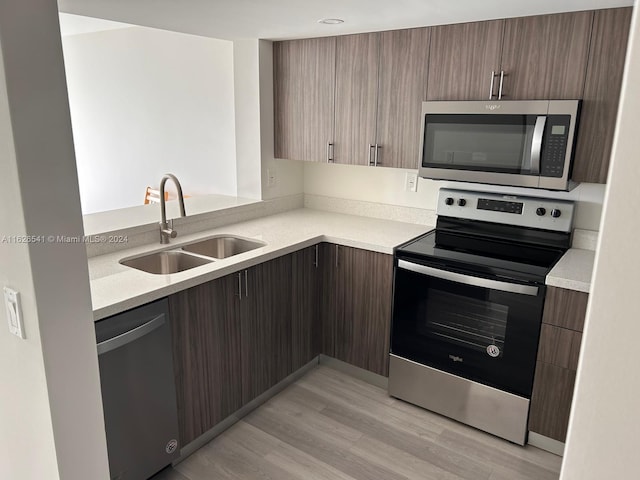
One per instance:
(533,212)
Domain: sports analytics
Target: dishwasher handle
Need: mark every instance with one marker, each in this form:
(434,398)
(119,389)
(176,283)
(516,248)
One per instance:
(132,335)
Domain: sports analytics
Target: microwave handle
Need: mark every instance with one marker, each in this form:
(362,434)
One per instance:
(536,144)
(468,279)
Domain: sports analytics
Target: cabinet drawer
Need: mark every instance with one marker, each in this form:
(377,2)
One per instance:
(559,346)
(565,308)
(551,401)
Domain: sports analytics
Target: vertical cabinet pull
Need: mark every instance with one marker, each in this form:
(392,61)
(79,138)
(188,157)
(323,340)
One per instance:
(315,263)
(493,76)
(329,152)
(239,294)
(502,75)
(376,158)
(371,157)
(337,252)
(246,284)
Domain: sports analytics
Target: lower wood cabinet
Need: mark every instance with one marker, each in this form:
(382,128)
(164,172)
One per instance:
(206,355)
(357,295)
(558,351)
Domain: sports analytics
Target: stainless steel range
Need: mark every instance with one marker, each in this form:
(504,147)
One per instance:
(468,301)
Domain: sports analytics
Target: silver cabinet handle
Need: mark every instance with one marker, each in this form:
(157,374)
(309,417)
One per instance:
(501,83)
(239,294)
(132,335)
(329,152)
(315,264)
(371,161)
(246,284)
(493,76)
(468,279)
(337,251)
(376,162)
(536,144)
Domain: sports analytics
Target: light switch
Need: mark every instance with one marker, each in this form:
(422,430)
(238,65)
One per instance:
(14,314)
(411,182)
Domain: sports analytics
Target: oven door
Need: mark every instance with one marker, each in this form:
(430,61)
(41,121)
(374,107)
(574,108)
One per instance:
(482,329)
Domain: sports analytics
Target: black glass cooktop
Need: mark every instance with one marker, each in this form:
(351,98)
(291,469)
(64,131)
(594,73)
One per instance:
(499,256)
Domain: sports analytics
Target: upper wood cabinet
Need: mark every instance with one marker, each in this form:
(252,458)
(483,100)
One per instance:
(304,80)
(402,86)
(357,58)
(462,58)
(545,56)
(601,94)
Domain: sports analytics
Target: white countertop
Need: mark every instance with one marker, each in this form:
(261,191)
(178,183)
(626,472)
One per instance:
(116,288)
(573,271)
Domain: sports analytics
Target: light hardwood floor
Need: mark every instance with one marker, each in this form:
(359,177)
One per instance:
(328,426)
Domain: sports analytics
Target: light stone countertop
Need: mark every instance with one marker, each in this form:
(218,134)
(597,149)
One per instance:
(573,271)
(116,288)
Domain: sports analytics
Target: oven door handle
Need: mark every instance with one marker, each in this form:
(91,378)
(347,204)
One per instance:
(468,279)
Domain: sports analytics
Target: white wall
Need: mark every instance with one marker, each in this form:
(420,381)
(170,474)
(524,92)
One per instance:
(387,185)
(145,102)
(51,424)
(603,437)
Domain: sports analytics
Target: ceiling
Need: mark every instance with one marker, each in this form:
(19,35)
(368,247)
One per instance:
(283,19)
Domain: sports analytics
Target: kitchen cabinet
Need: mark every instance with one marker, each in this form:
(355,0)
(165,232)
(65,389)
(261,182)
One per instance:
(357,58)
(306,333)
(206,351)
(402,88)
(601,94)
(462,58)
(545,56)
(558,351)
(357,318)
(265,317)
(304,81)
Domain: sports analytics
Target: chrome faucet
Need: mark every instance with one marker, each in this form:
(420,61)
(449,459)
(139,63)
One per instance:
(166,228)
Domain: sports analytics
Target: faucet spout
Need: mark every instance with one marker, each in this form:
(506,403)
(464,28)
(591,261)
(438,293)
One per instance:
(166,228)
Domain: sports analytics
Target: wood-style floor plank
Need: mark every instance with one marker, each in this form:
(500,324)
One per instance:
(330,426)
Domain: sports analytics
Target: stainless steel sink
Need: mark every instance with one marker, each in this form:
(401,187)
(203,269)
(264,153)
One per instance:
(163,263)
(223,246)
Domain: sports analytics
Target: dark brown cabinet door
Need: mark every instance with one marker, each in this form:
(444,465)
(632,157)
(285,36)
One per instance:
(266,326)
(363,328)
(206,351)
(404,56)
(462,59)
(551,401)
(565,308)
(601,94)
(304,80)
(306,333)
(545,56)
(357,58)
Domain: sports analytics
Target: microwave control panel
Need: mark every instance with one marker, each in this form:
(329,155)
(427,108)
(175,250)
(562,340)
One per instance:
(554,148)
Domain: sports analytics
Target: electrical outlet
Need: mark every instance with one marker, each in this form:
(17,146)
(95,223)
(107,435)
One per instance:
(271,177)
(411,182)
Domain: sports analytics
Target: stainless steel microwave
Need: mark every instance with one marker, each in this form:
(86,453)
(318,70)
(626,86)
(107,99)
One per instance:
(518,143)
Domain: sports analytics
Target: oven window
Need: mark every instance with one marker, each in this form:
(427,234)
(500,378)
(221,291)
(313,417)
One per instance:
(491,143)
(465,321)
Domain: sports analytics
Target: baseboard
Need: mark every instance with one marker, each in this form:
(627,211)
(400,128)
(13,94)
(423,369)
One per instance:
(357,372)
(546,443)
(209,435)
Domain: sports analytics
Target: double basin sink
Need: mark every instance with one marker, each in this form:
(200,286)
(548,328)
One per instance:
(192,255)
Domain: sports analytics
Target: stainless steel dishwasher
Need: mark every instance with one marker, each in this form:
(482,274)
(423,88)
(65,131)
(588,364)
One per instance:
(138,391)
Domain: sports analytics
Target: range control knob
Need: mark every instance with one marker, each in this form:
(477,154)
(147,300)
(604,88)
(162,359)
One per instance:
(555,213)
(462,202)
(448,201)
(541,211)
